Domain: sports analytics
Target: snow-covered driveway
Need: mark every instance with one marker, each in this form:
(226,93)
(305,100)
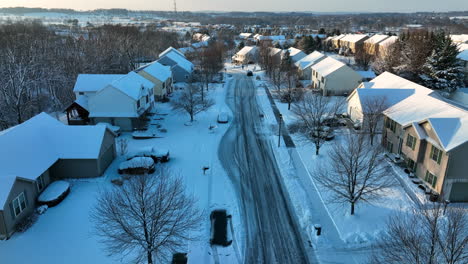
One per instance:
(272,233)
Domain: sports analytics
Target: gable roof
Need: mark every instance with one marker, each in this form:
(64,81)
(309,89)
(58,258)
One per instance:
(389,80)
(47,140)
(310,59)
(181,61)
(463,55)
(376,39)
(171,50)
(296,54)
(353,38)
(131,84)
(327,66)
(94,82)
(158,71)
(388,41)
(247,49)
(392,96)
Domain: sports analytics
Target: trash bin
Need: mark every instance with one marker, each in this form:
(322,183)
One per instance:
(318,229)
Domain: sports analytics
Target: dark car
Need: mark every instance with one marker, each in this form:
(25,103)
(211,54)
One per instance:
(219,228)
(249,73)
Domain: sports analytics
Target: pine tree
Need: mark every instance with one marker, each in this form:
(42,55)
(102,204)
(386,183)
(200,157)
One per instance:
(241,45)
(442,70)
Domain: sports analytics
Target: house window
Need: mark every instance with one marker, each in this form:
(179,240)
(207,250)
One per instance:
(411,164)
(390,124)
(436,154)
(411,141)
(40,183)
(323,80)
(431,179)
(164,85)
(19,204)
(146,98)
(81,93)
(138,104)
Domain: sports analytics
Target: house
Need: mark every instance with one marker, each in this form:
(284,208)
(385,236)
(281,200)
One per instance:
(181,68)
(245,36)
(335,41)
(86,85)
(160,76)
(296,54)
(463,57)
(371,45)
(54,151)
(124,102)
(462,38)
(247,55)
(276,55)
(383,91)
(352,42)
(334,77)
(431,134)
(384,44)
(304,65)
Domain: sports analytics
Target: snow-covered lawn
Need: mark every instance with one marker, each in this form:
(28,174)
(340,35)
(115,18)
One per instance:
(356,231)
(63,234)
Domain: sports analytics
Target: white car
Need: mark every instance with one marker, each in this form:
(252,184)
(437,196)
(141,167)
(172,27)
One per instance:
(223,117)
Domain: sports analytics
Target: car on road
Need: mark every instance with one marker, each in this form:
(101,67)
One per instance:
(219,228)
(223,118)
(249,73)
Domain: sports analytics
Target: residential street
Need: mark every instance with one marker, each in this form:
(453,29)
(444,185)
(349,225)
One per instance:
(272,233)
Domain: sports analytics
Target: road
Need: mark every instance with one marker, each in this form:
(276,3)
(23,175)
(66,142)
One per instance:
(272,234)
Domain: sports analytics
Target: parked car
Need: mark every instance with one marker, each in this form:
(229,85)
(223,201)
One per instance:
(223,117)
(249,73)
(157,154)
(219,228)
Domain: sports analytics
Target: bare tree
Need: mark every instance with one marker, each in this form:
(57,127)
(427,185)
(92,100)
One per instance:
(210,61)
(311,112)
(363,56)
(149,217)
(123,146)
(355,172)
(425,235)
(372,108)
(192,101)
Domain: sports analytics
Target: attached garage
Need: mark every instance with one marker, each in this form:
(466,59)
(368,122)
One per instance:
(459,192)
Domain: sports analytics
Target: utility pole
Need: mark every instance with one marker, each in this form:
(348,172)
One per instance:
(175,7)
(279,129)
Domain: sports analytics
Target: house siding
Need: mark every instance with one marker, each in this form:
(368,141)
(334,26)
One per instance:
(159,91)
(75,168)
(340,82)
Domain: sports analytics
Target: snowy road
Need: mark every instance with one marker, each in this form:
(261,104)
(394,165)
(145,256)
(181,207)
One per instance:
(271,231)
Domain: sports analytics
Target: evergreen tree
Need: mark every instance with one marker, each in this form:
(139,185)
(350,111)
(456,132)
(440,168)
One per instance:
(241,45)
(442,70)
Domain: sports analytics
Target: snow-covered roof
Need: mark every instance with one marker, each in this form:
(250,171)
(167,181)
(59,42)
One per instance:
(353,38)
(200,44)
(388,41)
(376,39)
(245,35)
(247,49)
(449,121)
(274,51)
(463,55)
(82,100)
(158,71)
(296,54)
(461,96)
(391,96)
(186,50)
(278,37)
(462,46)
(47,140)
(462,38)
(388,80)
(181,61)
(338,37)
(327,66)
(94,82)
(171,50)
(131,84)
(309,60)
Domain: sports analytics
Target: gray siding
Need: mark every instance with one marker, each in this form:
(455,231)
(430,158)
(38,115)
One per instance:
(458,165)
(107,152)
(125,123)
(74,168)
(9,221)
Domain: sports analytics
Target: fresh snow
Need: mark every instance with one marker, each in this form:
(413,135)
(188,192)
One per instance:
(137,162)
(53,191)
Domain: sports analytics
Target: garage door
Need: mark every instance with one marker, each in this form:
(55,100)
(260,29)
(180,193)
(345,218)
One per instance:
(106,158)
(459,192)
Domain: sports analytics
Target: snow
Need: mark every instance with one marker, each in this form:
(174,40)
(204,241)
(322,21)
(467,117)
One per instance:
(158,71)
(48,140)
(389,80)
(82,100)
(94,82)
(376,39)
(296,54)
(6,183)
(463,55)
(64,234)
(131,84)
(247,49)
(389,41)
(137,162)
(171,50)
(369,74)
(327,66)
(310,60)
(53,191)
(181,61)
(115,129)
(353,38)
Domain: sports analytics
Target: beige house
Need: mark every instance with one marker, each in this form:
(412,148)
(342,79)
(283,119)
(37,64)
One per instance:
(335,41)
(160,76)
(41,150)
(371,45)
(352,41)
(384,44)
(304,66)
(431,134)
(247,55)
(334,77)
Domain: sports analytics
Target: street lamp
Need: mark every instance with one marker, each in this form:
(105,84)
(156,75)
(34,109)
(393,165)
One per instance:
(279,130)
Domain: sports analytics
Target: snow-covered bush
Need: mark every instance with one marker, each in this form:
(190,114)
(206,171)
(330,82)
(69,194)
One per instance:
(54,193)
(137,165)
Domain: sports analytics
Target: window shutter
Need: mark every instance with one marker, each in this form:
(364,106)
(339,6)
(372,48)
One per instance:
(11,210)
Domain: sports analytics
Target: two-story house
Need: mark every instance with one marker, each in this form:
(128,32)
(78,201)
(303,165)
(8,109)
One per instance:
(181,68)
(334,77)
(304,65)
(248,54)
(123,102)
(160,76)
(431,134)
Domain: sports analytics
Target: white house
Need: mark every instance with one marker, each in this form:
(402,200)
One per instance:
(305,64)
(296,54)
(248,54)
(122,102)
(334,77)
(89,84)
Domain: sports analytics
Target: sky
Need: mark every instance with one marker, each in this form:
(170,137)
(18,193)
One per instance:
(252,5)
